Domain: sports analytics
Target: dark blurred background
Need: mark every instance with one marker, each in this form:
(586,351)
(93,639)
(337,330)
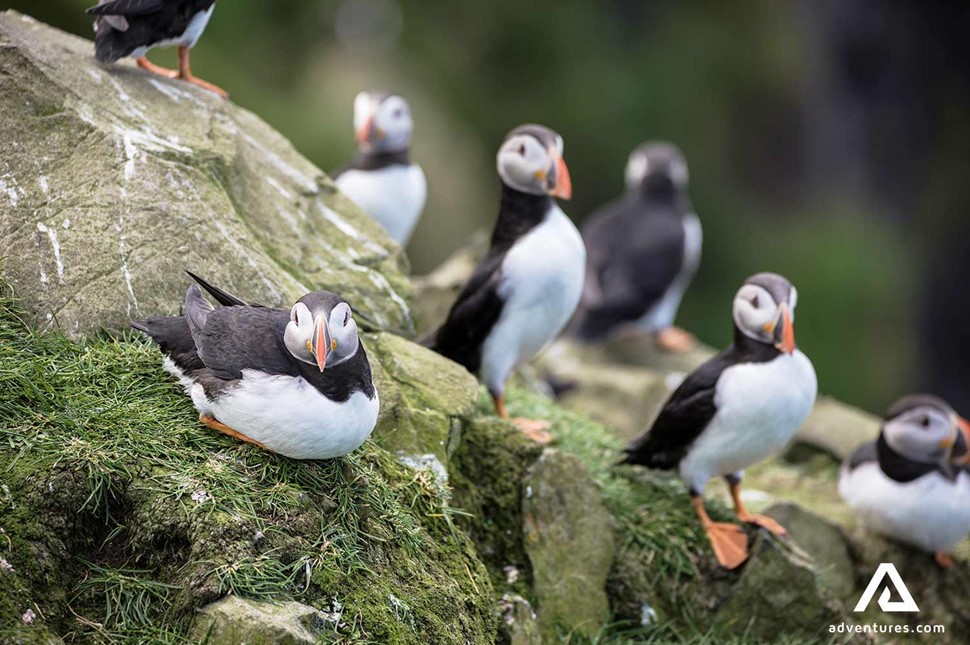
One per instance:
(827,140)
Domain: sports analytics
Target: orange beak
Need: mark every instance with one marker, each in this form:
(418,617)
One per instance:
(562,185)
(321,341)
(363,133)
(785,331)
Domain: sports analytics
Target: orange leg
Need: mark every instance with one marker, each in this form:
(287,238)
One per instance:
(943,559)
(534,429)
(149,66)
(752,518)
(218,426)
(185,73)
(729,541)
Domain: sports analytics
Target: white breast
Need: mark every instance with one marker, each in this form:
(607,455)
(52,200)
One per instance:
(542,280)
(291,417)
(663,313)
(760,406)
(931,513)
(394,196)
(188,38)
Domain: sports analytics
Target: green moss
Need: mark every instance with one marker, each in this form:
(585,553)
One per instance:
(663,558)
(122,516)
(486,476)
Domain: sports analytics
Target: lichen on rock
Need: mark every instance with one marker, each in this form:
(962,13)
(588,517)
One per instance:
(115,181)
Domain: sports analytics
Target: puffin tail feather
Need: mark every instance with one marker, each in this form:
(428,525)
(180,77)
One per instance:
(221,296)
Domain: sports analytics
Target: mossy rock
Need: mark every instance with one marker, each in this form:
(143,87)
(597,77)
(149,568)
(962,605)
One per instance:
(569,541)
(115,181)
(122,516)
(425,399)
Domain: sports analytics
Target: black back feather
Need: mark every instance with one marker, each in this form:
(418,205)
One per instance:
(691,407)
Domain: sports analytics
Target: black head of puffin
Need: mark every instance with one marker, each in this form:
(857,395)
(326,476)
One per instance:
(924,428)
(382,122)
(321,330)
(530,160)
(764,310)
(656,166)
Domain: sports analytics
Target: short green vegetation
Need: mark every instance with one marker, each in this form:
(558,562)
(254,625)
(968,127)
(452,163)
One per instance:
(121,515)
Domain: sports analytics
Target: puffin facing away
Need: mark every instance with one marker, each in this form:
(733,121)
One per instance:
(132,27)
(912,484)
(644,249)
(735,410)
(520,297)
(294,382)
(381,179)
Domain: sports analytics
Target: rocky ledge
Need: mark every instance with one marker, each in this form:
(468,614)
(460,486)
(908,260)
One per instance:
(123,520)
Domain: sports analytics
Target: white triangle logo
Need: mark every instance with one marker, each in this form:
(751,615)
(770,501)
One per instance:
(889,606)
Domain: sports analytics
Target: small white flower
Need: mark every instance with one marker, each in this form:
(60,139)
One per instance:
(28,616)
(4,565)
(200,497)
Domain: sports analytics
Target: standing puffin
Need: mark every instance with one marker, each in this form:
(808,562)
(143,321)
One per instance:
(381,179)
(294,382)
(912,484)
(644,249)
(526,289)
(736,409)
(132,27)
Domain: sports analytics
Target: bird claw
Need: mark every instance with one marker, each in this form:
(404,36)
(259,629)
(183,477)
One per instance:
(729,542)
(764,522)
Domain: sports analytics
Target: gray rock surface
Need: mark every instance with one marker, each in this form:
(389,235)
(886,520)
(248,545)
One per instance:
(569,542)
(233,620)
(113,181)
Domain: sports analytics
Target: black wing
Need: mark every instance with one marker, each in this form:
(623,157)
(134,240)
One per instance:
(683,417)
(238,338)
(127,8)
(473,315)
(633,258)
(866,453)
(173,338)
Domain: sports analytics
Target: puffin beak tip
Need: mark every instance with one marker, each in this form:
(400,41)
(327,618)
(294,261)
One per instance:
(563,188)
(321,341)
(363,133)
(786,343)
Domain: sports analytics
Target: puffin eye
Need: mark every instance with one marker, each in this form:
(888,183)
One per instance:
(346,318)
(522,149)
(755,302)
(924,421)
(398,112)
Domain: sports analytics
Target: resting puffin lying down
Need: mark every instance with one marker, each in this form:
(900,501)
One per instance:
(296,382)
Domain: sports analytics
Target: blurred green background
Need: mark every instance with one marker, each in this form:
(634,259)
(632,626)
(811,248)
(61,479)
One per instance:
(827,140)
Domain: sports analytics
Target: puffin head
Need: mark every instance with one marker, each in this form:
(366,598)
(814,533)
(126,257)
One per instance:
(925,429)
(656,166)
(382,122)
(321,330)
(530,161)
(764,310)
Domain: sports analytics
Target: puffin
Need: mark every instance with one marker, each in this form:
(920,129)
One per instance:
(740,407)
(644,249)
(382,179)
(524,292)
(132,27)
(295,382)
(912,484)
